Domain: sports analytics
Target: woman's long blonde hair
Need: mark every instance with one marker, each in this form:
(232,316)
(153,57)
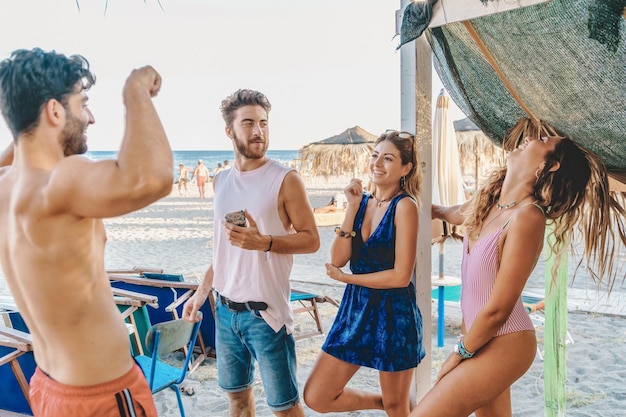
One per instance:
(576,197)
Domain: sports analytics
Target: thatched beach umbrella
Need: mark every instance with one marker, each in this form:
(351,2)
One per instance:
(348,152)
(477,153)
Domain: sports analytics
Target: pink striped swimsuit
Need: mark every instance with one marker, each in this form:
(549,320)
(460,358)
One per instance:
(478,275)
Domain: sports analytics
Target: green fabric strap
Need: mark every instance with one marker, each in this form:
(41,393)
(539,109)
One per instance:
(555,334)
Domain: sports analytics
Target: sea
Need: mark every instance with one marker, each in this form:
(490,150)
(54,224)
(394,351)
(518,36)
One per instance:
(209,158)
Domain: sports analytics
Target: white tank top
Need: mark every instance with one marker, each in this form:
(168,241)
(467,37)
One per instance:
(249,275)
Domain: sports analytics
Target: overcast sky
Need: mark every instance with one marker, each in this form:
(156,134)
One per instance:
(325,65)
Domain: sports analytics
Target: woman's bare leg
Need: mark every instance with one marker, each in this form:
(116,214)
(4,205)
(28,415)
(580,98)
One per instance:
(325,389)
(395,388)
(480,383)
(501,406)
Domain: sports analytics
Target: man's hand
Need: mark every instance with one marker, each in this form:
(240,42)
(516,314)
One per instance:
(246,237)
(191,309)
(144,79)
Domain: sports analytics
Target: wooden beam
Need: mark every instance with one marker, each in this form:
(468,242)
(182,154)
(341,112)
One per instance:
(19,336)
(416,117)
(11,356)
(6,413)
(159,283)
(450,11)
(151,300)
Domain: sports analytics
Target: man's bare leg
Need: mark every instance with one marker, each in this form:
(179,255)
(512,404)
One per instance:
(241,404)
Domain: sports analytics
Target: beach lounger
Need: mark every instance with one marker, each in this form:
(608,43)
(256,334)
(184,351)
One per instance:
(308,305)
(17,364)
(132,305)
(171,291)
(305,303)
(163,338)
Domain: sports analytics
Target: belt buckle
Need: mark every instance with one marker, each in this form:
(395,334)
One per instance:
(227,302)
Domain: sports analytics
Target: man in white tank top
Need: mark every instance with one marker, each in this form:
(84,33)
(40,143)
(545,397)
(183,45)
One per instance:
(252,263)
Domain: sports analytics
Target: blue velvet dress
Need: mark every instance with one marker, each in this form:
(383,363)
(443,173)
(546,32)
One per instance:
(377,328)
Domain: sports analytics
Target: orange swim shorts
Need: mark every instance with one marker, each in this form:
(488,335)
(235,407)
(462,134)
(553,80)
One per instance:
(200,180)
(126,396)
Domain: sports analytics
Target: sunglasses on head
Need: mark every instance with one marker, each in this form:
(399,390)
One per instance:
(401,135)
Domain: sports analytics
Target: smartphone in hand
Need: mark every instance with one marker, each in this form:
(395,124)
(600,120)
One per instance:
(237,218)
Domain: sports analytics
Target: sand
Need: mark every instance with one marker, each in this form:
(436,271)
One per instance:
(175,234)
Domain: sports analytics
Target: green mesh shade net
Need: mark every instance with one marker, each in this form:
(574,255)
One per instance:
(564,59)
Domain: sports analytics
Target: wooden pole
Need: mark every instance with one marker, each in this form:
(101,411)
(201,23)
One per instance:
(416,117)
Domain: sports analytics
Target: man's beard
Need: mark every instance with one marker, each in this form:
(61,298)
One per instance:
(245,151)
(74,141)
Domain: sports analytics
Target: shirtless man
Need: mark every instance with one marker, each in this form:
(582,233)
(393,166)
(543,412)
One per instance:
(201,172)
(183,179)
(52,202)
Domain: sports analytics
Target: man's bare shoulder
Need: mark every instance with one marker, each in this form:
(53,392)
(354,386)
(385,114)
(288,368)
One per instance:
(293,180)
(76,160)
(75,169)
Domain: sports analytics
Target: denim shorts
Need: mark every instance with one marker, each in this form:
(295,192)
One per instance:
(243,337)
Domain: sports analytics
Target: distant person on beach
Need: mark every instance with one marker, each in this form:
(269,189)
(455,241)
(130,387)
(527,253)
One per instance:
(547,178)
(52,202)
(336,203)
(378,324)
(183,179)
(201,172)
(252,263)
(218,169)
(226,164)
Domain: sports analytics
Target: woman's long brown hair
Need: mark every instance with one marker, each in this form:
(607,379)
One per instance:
(576,199)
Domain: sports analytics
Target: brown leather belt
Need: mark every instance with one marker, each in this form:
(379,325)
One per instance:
(249,305)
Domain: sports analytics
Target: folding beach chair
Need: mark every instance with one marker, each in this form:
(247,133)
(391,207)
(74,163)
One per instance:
(163,338)
(17,362)
(132,305)
(308,304)
(171,291)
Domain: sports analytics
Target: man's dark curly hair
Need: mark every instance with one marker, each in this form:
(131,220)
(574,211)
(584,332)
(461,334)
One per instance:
(30,78)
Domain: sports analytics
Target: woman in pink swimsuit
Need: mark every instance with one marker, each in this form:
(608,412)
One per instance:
(546,178)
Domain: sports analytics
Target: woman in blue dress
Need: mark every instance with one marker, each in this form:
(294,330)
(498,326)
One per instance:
(378,324)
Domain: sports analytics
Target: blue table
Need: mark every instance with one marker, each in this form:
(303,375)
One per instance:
(442,282)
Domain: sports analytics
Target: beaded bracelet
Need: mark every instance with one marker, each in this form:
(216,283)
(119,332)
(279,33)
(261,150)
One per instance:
(460,350)
(341,233)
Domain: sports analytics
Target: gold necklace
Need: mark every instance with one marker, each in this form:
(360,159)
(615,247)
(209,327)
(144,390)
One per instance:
(384,200)
(501,208)
(506,206)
